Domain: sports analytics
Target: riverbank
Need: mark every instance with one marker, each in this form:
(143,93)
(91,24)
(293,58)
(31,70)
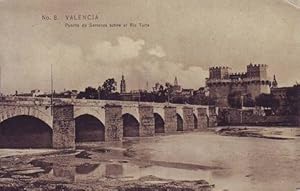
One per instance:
(92,166)
(280,133)
(183,161)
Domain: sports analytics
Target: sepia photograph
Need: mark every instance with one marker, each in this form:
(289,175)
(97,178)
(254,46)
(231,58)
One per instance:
(142,95)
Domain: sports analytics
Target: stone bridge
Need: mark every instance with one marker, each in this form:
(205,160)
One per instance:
(35,122)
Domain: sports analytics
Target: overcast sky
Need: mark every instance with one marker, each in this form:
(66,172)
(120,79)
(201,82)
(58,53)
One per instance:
(185,37)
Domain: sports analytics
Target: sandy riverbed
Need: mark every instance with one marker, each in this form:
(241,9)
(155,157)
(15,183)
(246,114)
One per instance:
(232,162)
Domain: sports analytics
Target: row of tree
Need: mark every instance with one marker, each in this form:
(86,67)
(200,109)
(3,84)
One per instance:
(163,93)
(291,102)
(106,91)
(166,93)
(237,100)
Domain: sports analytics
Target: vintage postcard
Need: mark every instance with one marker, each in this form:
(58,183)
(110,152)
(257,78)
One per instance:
(147,95)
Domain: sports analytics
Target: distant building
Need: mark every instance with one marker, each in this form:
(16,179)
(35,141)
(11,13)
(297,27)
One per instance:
(222,82)
(186,92)
(288,97)
(201,92)
(274,83)
(33,93)
(130,96)
(123,85)
(68,94)
(64,94)
(176,87)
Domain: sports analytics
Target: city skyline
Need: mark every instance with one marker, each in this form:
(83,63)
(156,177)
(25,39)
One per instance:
(178,42)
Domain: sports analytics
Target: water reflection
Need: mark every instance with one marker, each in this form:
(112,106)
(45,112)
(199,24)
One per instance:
(86,168)
(64,172)
(122,171)
(113,170)
(232,163)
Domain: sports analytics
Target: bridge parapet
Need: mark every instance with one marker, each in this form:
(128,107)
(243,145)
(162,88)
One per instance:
(10,110)
(87,102)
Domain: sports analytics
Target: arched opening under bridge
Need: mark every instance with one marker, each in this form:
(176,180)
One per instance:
(179,122)
(131,126)
(159,123)
(89,129)
(25,132)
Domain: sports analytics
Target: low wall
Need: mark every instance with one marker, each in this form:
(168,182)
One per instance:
(249,117)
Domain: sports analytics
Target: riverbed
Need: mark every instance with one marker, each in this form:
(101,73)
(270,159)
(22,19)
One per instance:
(231,163)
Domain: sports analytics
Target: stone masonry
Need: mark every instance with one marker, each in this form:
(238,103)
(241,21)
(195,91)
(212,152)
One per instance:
(63,127)
(113,123)
(212,121)
(146,121)
(202,118)
(170,119)
(61,121)
(188,118)
(222,83)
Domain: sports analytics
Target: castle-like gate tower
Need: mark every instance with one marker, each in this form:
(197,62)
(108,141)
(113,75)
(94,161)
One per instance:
(222,83)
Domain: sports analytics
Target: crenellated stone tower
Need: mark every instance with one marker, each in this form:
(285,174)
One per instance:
(222,82)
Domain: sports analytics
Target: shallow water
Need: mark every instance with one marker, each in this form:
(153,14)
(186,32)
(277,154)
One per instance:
(231,163)
(248,163)
(14,152)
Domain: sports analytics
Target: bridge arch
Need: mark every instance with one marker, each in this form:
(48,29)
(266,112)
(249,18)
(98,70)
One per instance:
(160,111)
(159,123)
(25,131)
(39,113)
(97,112)
(89,128)
(179,122)
(131,126)
(132,110)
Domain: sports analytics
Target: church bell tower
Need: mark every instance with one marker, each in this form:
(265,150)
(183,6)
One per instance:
(123,85)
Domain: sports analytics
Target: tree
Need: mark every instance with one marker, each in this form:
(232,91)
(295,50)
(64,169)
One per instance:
(161,95)
(293,100)
(267,100)
(108,88)
(201,100)
(147,96)
(248,101)
(179,100)
(90,93)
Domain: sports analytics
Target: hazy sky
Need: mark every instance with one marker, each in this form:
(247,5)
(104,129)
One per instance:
(185,37)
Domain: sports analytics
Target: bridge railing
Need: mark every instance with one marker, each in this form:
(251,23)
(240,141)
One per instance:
(89,102)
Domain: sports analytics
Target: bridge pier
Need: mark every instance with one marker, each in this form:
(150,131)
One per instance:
(63,127)
(113,123)
(212,122)
(170,119)
(202,118)
(147,127)
(188,118)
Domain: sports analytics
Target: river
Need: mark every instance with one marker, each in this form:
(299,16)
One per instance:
(246,163)
(230,163)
